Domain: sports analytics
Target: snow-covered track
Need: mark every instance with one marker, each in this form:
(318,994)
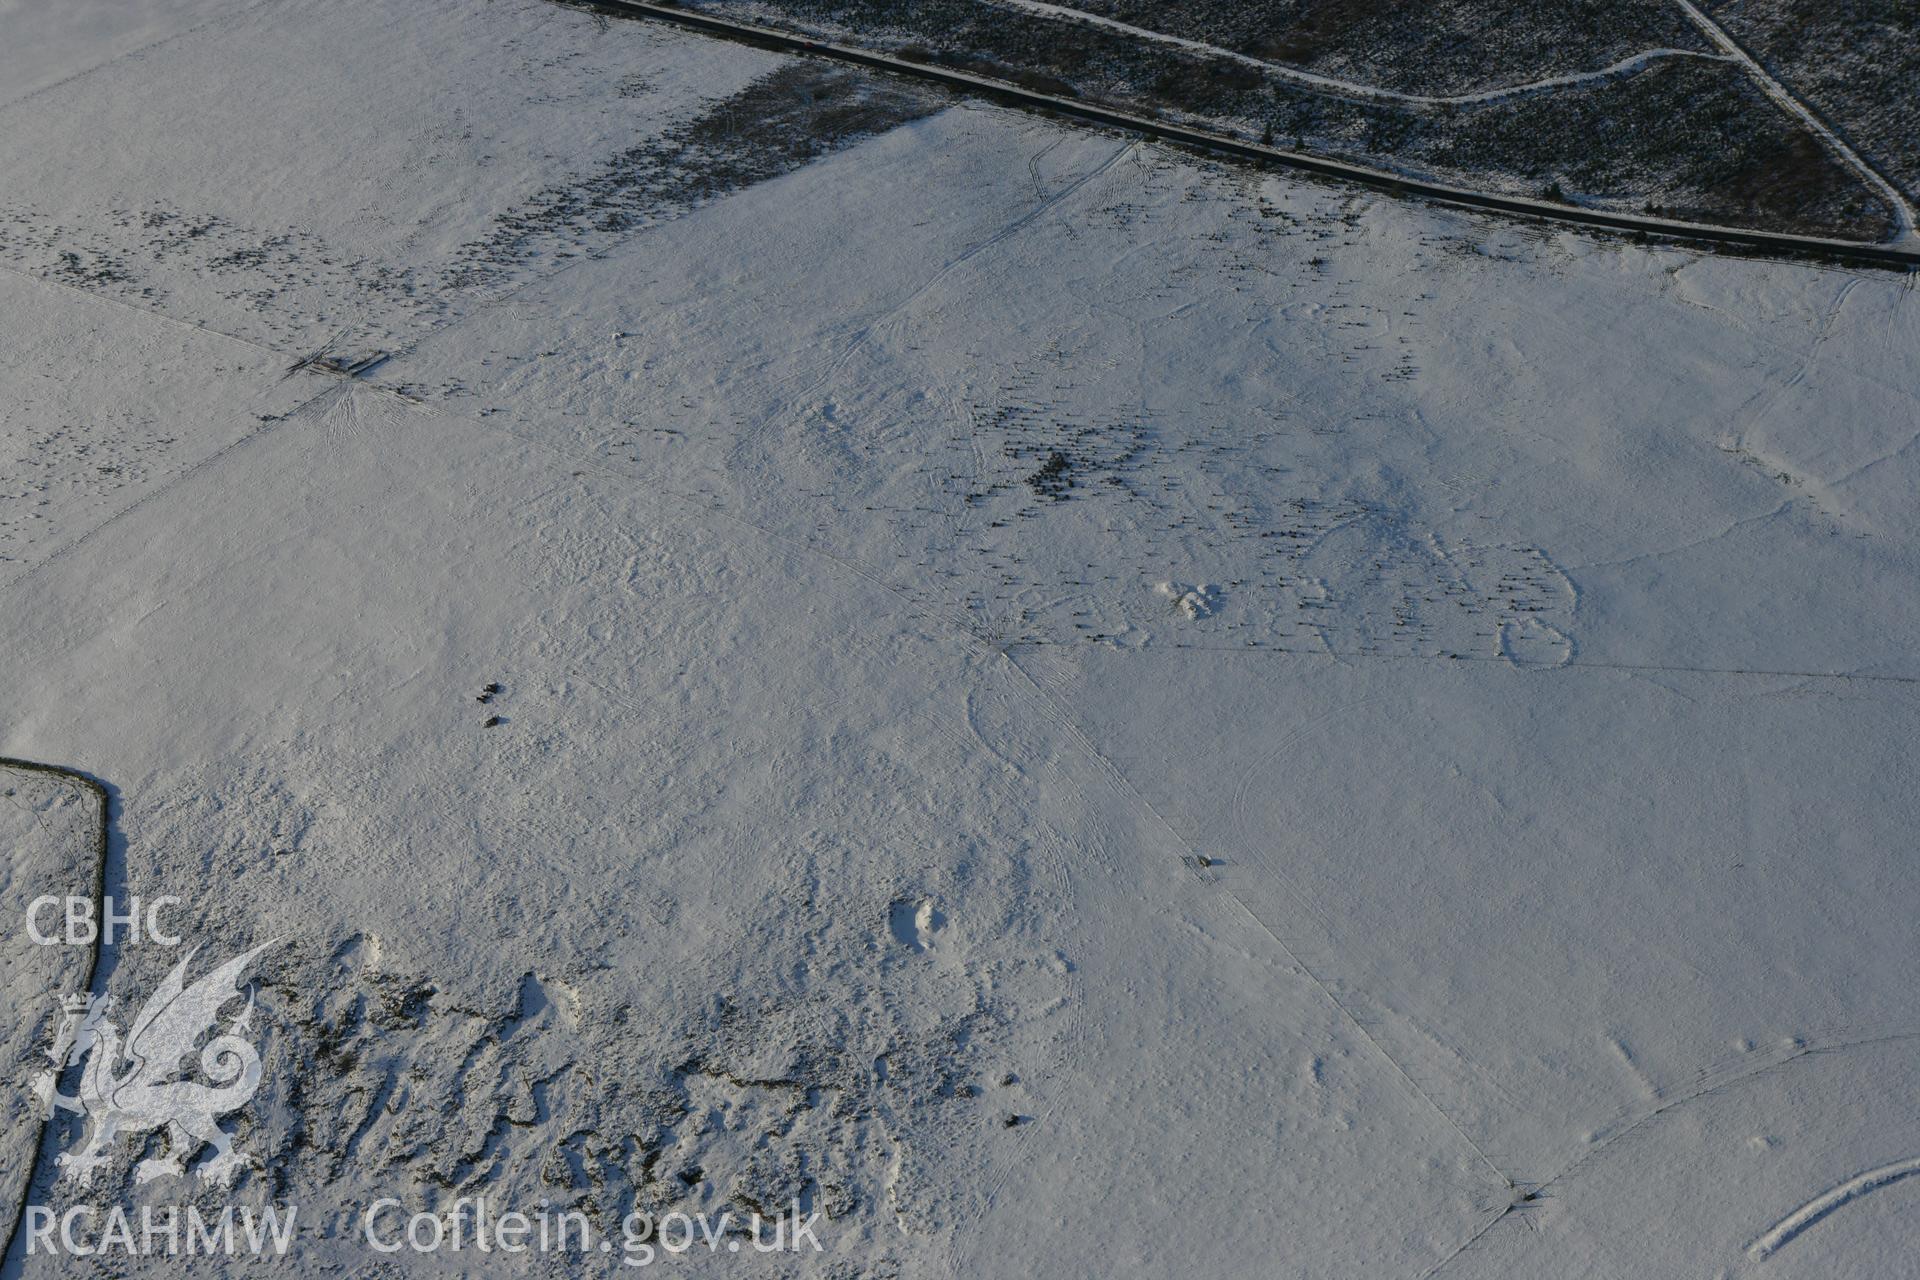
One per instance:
(1783,1232)
(1353,89)
(1773,243)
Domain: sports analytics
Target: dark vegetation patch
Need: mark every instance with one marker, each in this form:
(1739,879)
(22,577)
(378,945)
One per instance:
(1053,477)
(1856,62)
(1697,139)
(1689,136)
(777,124)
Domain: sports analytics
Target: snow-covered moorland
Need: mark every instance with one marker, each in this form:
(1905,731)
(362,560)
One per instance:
(757,635)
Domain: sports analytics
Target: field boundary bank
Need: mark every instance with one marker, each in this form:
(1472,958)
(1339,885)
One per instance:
(103,800)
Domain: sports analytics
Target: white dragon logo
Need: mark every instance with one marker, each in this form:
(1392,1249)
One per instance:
(148,1094)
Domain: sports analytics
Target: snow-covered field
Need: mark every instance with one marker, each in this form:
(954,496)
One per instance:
(1072,710)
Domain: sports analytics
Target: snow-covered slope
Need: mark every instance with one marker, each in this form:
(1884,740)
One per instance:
(1076,711)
